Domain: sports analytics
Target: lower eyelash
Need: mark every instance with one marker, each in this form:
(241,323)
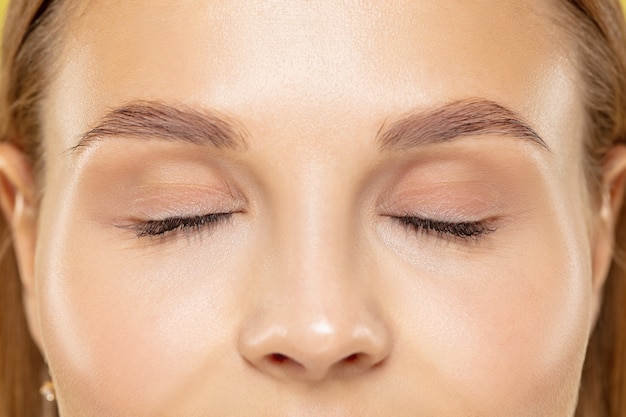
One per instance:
(442,229)
(179,224)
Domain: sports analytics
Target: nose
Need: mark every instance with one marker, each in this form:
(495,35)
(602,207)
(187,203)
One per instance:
(339,344)
(314,310)
(317,318)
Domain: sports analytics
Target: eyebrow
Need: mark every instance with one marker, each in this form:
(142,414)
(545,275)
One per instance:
(472,117)
(156,120)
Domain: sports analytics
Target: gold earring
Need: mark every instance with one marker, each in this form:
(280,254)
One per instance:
(47,390)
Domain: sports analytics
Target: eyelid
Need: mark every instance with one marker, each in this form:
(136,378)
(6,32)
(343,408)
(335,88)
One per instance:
(450,189)
(172,226)
(459,206)
(158,201)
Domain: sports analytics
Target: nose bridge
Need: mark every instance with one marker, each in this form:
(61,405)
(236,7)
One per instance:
(319,319)
(318,239)
(314,230)
(318,259)
(321,264)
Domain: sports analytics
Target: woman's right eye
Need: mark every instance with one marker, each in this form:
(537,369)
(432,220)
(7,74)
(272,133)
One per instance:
(173,225)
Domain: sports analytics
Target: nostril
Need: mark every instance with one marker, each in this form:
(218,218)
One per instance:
(278,358)
(352,358)
(283,361)
(361,360)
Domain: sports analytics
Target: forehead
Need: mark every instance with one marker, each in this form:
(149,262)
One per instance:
(275,58)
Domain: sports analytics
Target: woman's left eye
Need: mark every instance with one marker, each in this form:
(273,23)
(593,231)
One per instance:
(444,229)
(171,225)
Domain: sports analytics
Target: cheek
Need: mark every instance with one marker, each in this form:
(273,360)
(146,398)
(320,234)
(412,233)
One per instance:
(134,329)
(504,330)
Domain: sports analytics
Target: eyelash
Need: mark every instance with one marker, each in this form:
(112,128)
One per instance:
(156,228)
(447,230)
(442,229)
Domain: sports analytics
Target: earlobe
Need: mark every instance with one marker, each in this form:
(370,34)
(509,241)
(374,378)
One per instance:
(613,191)
(18,202)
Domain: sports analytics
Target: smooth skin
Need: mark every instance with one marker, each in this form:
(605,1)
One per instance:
(311,296)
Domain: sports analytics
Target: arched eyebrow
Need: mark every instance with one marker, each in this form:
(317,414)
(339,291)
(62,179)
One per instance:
(473,117)
(156,120)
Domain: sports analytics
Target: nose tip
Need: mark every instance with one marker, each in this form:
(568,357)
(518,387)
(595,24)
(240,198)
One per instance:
(317,351)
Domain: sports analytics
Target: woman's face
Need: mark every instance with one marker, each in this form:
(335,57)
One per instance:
(307,208)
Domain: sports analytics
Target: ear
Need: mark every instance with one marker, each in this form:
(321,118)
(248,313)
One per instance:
(605,223)
(18,201)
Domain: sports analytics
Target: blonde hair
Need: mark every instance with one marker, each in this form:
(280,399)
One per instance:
(32,32)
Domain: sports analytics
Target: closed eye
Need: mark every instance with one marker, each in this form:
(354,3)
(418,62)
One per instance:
(444,229)
(173,225)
